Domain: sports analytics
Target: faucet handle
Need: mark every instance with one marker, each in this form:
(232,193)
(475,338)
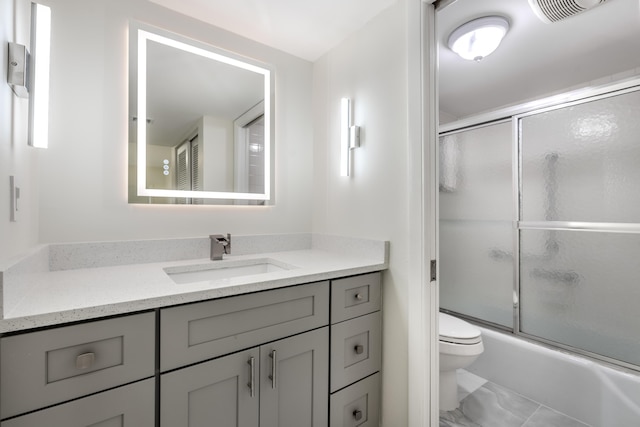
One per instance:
(220,245)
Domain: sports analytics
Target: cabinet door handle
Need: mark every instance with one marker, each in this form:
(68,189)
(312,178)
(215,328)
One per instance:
(85,360)
(357,415)
(359,349)
(359,296)
(252,376)
(274,364)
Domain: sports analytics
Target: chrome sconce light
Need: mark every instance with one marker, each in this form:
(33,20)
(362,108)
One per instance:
(28,74)
(349,137)
(18,70)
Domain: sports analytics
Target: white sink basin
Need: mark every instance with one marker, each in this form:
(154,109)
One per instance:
(217,270)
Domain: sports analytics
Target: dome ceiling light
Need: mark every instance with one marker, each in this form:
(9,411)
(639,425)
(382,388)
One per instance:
(478,38)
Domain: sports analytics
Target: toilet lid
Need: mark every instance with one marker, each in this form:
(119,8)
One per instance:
(457,331)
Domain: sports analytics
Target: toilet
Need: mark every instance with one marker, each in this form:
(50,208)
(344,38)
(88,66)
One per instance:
(460,344)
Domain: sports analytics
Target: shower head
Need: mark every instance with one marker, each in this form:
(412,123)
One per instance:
(556,10)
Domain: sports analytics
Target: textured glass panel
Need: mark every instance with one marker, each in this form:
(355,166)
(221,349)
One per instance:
(476,269)
(580,163)
(476,235)
(476,174)
(582,289)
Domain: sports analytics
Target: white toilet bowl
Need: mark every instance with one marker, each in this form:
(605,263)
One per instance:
(460,344)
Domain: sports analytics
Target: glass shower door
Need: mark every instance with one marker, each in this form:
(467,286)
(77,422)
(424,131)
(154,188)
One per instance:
(580,226)
(476,223)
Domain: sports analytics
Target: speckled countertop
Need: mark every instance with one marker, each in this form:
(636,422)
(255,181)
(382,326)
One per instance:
(56,284)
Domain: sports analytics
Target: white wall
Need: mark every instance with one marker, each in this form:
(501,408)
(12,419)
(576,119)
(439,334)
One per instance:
(83,173)
(16,158)
(370,67)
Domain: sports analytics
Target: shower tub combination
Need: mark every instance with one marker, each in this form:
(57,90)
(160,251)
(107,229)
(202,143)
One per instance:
(586,390)
(540,236)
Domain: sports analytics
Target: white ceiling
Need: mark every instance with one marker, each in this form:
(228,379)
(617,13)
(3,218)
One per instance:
(304,28)
(535,58)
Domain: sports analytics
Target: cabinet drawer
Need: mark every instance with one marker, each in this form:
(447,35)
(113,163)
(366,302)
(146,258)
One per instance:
(201,331)
(355,350)
(357,405)
(129,406)
(354,296)
(42,368)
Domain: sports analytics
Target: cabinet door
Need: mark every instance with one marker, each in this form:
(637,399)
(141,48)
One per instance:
(223,392)
(129,406)
(294,384)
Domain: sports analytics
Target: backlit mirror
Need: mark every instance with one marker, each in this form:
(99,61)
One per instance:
(200,123)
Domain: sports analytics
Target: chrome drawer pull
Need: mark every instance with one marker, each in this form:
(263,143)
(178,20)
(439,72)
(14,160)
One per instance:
(359,296)
(252,376)
(85,360)
(358,349)
(357,415)
(274,363)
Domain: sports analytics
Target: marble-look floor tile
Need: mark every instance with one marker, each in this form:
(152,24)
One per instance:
(456,419)
(490,405)
(494,406)
(468,383)
(546,417)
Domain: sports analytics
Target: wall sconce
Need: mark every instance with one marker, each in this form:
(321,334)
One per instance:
(18,70)
(28,74)
(39,67)
(349,137)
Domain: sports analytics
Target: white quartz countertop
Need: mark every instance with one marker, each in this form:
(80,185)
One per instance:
(34,299)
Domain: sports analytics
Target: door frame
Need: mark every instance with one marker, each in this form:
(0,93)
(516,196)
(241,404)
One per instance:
(423,304)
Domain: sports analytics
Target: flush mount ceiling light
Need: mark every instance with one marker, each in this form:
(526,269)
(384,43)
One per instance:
(478,38)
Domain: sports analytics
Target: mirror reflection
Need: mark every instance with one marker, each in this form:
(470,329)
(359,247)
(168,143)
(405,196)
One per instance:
(206,136)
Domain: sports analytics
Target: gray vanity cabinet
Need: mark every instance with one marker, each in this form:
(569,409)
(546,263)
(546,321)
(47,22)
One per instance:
(259,359)
(356,347)
(283,383)
(300,356)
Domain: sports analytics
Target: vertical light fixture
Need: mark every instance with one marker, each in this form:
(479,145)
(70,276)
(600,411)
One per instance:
(349,137)
(40,59)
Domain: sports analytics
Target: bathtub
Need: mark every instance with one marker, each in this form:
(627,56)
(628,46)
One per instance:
(581,388)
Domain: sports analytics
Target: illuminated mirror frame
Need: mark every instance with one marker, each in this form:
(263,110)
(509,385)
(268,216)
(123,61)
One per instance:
(207,51)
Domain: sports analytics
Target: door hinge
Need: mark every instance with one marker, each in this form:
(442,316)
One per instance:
(433,270)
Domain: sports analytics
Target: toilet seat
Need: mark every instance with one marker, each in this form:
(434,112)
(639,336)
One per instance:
(456,331)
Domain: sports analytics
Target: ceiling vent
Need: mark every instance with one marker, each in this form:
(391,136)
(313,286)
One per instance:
(557,10)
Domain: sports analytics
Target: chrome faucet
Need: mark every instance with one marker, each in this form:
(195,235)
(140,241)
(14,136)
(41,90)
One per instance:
(220,245)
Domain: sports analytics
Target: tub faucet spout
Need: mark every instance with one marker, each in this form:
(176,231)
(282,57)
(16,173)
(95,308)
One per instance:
(220,245)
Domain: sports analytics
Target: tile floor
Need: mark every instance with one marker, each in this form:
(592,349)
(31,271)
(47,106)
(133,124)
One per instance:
(485,404)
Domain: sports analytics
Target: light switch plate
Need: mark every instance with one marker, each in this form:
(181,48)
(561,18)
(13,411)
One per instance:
(14,194)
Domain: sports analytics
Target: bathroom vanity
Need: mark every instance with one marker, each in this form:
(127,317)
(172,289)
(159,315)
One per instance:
(277,348)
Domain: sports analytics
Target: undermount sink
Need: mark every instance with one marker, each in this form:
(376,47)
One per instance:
(217,270)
